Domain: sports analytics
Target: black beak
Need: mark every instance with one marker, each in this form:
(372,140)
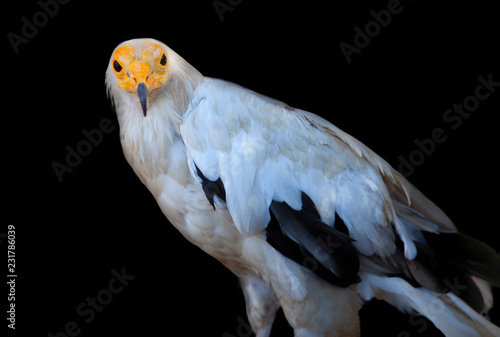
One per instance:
(143,92)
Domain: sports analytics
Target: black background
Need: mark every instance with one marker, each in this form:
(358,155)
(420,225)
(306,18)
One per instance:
(70,235)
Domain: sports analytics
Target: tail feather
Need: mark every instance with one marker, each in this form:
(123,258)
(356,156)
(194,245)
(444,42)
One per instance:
(448,312)
(482,326)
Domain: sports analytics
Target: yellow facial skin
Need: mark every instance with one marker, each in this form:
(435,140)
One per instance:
(148,64)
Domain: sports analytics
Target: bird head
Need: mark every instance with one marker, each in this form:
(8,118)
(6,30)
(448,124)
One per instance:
(140,67)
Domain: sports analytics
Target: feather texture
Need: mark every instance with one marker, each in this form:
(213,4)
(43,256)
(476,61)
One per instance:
(321,248)
(264,151)
(265,188)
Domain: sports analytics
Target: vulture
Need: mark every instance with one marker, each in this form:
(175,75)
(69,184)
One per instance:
(306,216)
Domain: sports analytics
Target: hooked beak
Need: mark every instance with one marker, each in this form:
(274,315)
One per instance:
(143,92)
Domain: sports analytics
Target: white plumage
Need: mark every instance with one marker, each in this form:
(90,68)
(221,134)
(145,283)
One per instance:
(221,160)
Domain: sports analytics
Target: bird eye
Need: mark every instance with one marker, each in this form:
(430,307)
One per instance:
(163,60)
(117,66)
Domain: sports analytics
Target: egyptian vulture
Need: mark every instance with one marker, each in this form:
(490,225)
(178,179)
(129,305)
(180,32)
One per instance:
(306,216)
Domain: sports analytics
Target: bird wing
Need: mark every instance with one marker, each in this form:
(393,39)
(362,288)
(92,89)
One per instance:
(263,158)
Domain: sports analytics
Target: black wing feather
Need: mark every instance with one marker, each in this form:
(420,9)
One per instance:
(211,188)
(304,238)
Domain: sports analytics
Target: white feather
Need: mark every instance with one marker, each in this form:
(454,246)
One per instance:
(263,150)
(278,155)
(448,312)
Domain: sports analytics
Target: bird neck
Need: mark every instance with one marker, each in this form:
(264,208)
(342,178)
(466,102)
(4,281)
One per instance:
(149,142)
